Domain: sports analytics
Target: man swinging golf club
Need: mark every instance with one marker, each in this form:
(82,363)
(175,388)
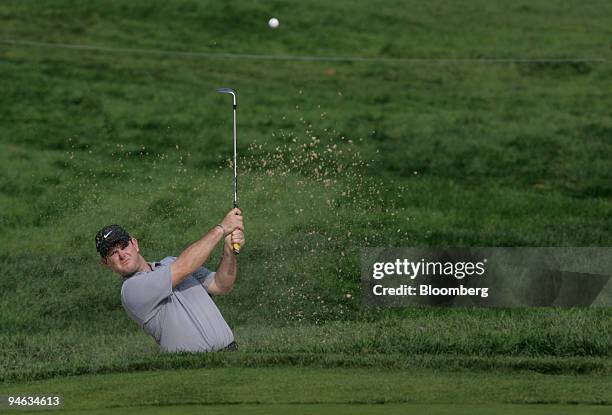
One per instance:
(170,299)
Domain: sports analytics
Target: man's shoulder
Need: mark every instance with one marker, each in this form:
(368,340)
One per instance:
(144,284)
(142,276)
(167,260)
(132,282)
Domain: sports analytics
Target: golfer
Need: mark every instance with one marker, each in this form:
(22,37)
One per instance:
(170,299)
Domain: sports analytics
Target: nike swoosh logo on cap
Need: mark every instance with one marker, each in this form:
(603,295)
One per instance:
(106,236)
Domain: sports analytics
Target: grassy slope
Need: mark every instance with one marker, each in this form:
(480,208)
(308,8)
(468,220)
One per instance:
(510,154)
(546,342)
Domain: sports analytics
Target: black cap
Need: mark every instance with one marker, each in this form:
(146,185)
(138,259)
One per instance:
(109,236)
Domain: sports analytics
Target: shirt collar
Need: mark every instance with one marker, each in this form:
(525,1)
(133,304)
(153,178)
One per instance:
(153,266)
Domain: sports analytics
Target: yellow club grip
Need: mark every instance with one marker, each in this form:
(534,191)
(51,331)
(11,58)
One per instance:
(235,245)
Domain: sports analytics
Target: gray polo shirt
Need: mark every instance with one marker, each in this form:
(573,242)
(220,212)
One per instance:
(183,318)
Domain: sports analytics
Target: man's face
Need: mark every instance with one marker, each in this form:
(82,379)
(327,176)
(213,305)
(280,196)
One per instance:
(123,258)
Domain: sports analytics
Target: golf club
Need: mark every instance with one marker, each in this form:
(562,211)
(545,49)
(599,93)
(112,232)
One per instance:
(235,246)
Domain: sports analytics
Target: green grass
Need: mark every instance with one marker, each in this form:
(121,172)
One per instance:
(359,409)
(547,341)
(334,156)
(273,387)
(307,409)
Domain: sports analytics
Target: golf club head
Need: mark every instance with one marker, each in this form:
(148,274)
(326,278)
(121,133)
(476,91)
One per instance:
(228,91)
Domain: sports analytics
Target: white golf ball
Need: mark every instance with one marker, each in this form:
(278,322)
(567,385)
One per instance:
(273,23)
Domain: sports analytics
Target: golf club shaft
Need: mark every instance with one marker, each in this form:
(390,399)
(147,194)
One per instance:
(235,246)
(235,163)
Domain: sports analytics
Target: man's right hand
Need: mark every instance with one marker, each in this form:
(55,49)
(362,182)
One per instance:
(197,253)
(232,221)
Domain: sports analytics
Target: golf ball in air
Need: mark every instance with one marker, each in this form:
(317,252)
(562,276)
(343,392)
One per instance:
(273,23)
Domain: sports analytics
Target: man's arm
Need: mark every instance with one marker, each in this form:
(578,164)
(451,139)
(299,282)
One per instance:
(197,253)
(225,277)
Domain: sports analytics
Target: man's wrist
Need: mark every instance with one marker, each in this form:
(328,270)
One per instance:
(228,250)
(219,226)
